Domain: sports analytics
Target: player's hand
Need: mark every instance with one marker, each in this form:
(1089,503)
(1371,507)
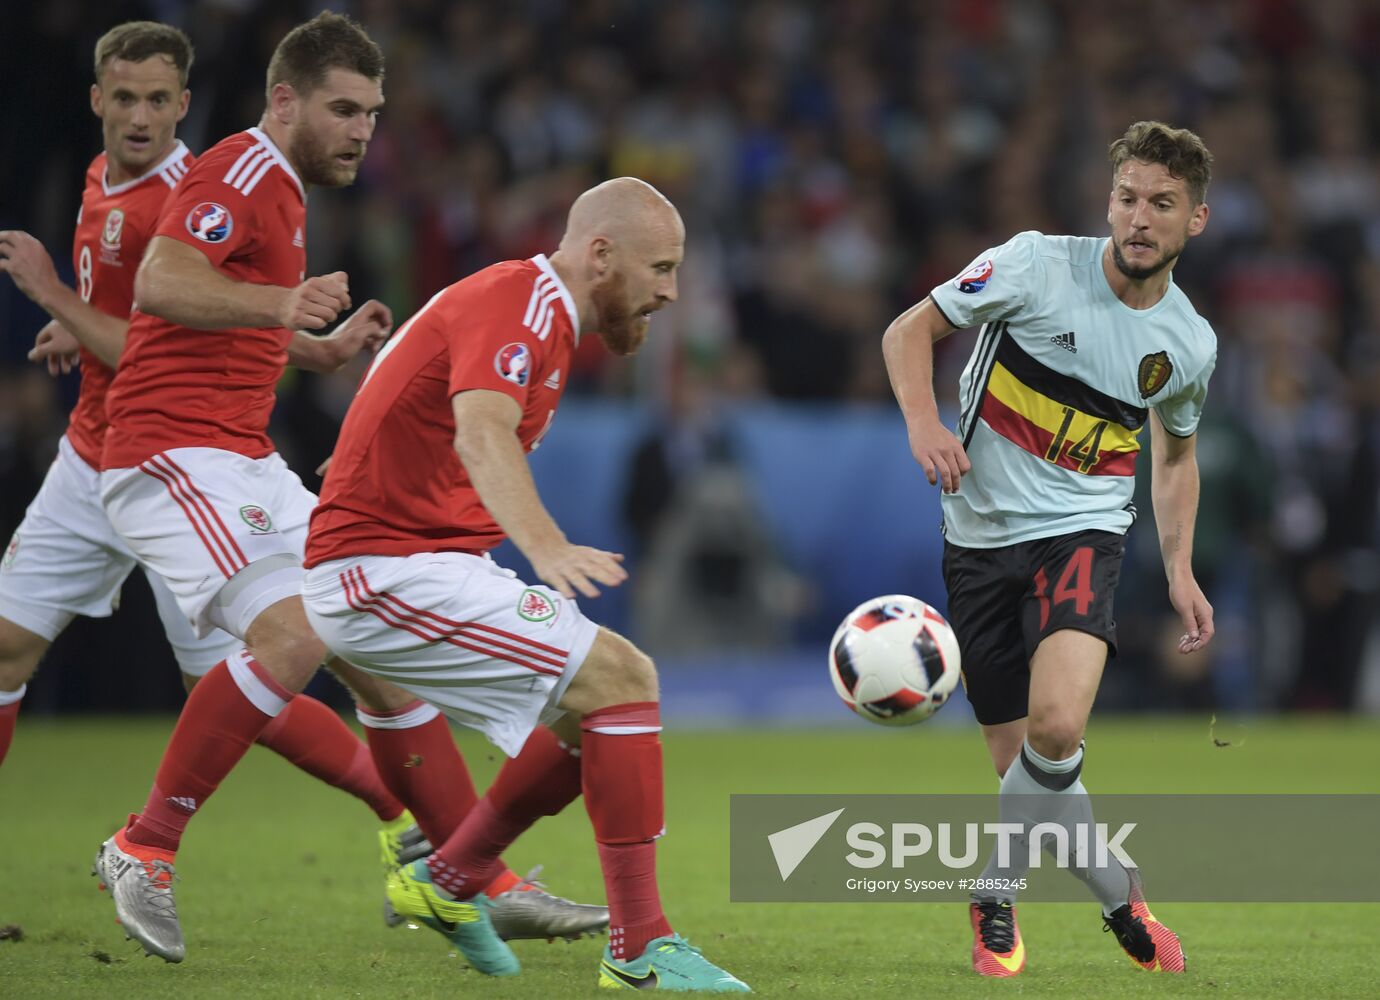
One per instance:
(23,258)
(316,302)
(367,329)
(56,345)
(570,568)
(325,464)
(939,453)
(1195,612)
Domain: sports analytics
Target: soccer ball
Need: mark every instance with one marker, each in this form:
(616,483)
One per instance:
(894,660)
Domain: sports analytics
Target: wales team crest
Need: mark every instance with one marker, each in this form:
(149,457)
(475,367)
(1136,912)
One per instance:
(1153,373)
(535,606)
(257,518)
(114,227)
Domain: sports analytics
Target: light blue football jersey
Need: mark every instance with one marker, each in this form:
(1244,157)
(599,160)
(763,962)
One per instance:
(1058,389)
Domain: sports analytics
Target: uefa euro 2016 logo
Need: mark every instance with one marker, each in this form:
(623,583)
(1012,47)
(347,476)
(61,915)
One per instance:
(975,278)
(210,223)
(514,363)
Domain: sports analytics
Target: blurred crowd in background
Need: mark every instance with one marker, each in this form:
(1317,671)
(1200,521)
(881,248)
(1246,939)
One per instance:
(833,161)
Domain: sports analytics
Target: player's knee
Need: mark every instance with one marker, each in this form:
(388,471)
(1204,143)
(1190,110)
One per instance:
(290,654)
(373,693)
(629,675)
(614,673)
(1055,739)
(20,651)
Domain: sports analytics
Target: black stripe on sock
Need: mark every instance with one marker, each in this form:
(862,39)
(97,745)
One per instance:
(1054,782)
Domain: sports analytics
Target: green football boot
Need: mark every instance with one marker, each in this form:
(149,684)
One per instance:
(465,924)
(668,963)
(401,842)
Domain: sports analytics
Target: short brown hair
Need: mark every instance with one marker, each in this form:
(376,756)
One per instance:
(1178,150)
(135,41)
(328,41)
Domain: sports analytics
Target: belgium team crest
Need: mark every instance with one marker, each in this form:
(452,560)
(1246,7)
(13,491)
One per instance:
(1153,373)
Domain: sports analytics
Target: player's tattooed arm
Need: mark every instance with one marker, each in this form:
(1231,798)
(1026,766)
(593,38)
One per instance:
(908,348)
(25,260)
(486,440)
(1174,492)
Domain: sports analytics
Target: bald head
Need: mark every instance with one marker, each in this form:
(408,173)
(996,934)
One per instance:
(623,243)
(617,210)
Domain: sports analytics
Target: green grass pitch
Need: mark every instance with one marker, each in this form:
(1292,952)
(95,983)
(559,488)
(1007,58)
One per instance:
(280,894)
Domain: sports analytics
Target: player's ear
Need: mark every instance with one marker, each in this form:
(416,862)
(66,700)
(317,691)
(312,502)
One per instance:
(97,102)
(600,255)
(183,104)
(1197,222)
(282,103)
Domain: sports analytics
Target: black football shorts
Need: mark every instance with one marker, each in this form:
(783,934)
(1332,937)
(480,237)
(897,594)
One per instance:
(1003,601)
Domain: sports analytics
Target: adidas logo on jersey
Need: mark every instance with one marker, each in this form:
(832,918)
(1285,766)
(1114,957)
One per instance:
(1066,341)
(298,240)
(553,381)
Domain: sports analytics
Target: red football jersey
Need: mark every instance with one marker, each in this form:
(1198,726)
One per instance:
(395,485)
(113,228)
(243,206)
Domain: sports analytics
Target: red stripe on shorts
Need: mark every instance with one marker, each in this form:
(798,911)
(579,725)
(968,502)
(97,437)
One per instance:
(213,548)
(210,510)
(536,650)
(392,618)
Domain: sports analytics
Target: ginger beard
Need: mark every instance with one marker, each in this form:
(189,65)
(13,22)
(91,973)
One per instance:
(317,165)
(622,327)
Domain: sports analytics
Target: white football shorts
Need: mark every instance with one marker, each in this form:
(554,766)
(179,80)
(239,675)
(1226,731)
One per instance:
(65,560)
(457,630)
(226,532)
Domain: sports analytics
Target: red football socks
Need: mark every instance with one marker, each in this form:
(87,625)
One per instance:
(315,739)
(9,714)
(624,796)
(216,728)
(417,759)
(540,781)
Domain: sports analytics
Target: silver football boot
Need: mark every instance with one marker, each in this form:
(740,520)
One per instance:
(143,896)
(528,911)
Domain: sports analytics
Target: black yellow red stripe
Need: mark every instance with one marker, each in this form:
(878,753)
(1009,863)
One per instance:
(1059,418)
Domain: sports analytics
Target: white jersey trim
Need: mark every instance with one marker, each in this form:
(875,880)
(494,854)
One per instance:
(174,172)
(250,176)
(173,159)
(547,289)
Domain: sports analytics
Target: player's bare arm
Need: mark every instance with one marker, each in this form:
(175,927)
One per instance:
(908,347)
(1174,491)
(176,282)
(23,258)
(486,440)
(367,329)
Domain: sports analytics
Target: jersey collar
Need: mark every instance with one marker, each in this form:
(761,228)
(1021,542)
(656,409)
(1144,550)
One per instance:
(566,298)
(176,153)
(277,155)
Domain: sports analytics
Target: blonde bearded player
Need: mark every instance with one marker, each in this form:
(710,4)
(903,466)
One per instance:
(1084,341)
